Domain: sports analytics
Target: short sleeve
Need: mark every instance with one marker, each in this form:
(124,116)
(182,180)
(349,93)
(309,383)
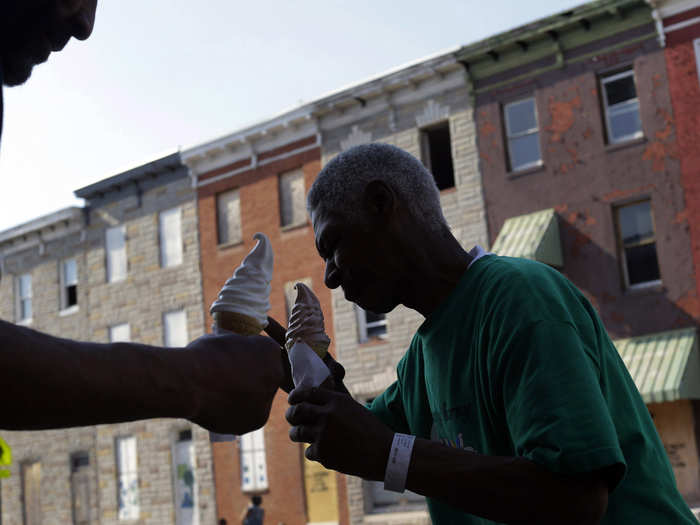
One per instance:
(388,407)
(555,410)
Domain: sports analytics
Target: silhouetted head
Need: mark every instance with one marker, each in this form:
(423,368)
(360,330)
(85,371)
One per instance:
(31,29)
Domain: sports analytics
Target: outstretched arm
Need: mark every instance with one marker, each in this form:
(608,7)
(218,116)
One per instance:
(347,437)
(225,383)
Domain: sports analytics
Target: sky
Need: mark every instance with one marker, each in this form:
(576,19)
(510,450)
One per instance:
(160,74)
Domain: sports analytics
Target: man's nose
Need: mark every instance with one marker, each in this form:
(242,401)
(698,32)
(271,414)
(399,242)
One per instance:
(83,21)
(332,275)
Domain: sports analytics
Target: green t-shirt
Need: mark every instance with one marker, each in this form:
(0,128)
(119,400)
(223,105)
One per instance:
(516,362)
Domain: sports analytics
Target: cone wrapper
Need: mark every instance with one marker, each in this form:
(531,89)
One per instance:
(308,369)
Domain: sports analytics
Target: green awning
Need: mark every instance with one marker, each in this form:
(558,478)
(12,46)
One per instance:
(665,366)
(532,236)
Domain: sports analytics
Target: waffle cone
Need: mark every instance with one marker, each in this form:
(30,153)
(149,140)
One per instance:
(237,323)
(321,349)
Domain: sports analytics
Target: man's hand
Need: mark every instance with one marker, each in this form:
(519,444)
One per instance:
(343,434)
(233,380)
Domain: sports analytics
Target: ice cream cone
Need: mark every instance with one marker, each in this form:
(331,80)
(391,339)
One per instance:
(237,323)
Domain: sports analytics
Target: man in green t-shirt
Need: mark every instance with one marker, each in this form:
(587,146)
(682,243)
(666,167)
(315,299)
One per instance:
(511,404)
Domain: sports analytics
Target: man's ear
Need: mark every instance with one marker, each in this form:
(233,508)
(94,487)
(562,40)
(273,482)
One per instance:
(379,200)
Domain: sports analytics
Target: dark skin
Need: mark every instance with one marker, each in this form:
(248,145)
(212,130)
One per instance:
(392,259)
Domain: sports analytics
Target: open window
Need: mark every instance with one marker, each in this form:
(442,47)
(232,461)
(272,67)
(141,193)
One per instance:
(436,153)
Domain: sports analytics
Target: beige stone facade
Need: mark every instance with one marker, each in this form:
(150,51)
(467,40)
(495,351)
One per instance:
(398,118)
(77,477)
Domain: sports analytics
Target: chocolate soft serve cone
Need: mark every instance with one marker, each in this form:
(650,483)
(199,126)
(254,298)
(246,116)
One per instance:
(244,300)
(306,322)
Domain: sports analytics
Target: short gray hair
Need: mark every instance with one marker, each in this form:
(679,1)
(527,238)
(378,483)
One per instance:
(341,183)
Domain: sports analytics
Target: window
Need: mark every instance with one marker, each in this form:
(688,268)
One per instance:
(170,228)
(635,225)
(24,297)
(253,463)
(69,284)
(370,325)
(80,487)
(436,150)
(228,215)
(31,491)
(115,240)
(119,332)
(292,198)
(622,119)
(185,482)
(127,478)
(522,134)
(696,47)
(175,329)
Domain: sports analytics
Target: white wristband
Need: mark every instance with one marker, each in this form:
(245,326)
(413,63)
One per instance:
(397,465)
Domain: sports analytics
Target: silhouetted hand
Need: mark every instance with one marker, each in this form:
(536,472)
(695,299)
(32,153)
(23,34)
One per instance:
(233,380)
(343,434)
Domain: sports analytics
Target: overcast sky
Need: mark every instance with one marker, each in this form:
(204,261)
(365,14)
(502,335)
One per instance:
(158,74)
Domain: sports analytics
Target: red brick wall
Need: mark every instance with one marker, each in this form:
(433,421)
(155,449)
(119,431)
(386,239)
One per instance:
(684,86)
(295,258)
(583,178)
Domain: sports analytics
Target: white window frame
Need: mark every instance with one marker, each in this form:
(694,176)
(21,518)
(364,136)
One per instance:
(622,246)
(116,337)
(363,326)
(176,318)
(298,172)
(22,297)
(63,279)
(222,219)
(116,260)
(184,458)
(621,107)
(170,234)
(696,48)
(252,454)
(530,131)
(126,455)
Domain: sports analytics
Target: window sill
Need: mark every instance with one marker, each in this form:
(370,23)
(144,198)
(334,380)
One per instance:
(227,245)
(445,191)
(25,322)
(295,226)
(69,311)
(374,341)
(626,144)
(650,287)
(526,171)
(396,516)
(256,492)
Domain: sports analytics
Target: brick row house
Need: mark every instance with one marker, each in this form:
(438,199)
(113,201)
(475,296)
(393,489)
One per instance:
(255,180)
(124,267)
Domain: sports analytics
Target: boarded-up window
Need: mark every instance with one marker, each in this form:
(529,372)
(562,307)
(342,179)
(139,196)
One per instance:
(115,242)
(24,297)
(175,329)
(31,493)
(80,487)
(170,226)
(228,216)
(292,198)
(253,461)
(119,333)
(127,478)
(186,487)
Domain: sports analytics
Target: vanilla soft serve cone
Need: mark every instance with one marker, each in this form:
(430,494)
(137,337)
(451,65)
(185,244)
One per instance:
(244,301)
